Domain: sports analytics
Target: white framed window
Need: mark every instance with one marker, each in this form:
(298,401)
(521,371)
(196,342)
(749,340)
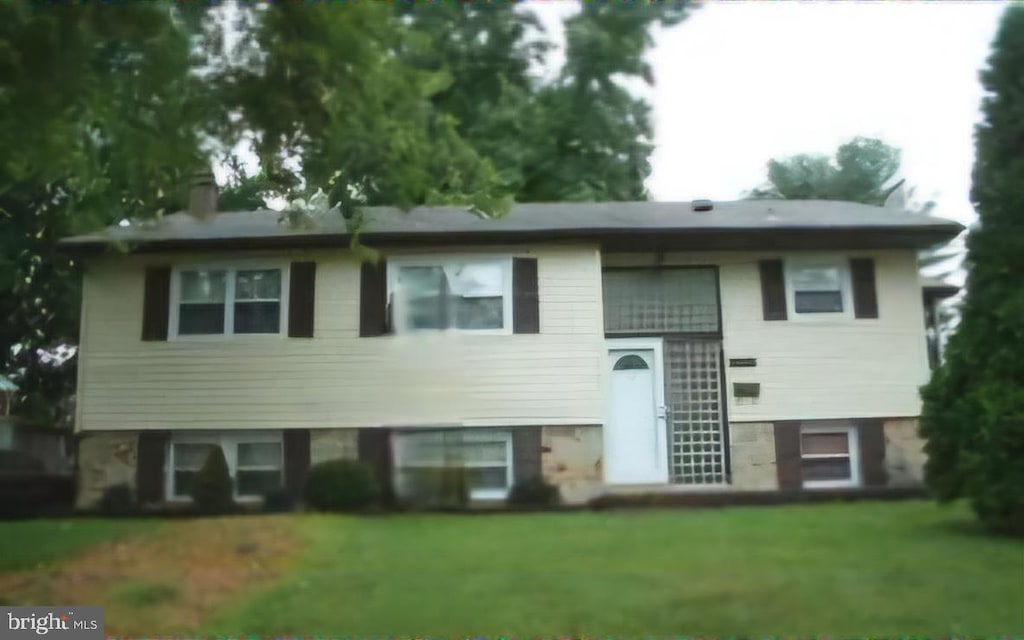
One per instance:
(485,454)
(255,462)
(818,287)
(237,299)
(459,293)
(829,457)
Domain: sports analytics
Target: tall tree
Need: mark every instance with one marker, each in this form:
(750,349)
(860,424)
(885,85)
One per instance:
(101,120)
(328,98)
(973,417)
(584,135)
(862,170)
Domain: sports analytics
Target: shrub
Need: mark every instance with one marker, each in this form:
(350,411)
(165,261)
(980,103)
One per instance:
(118,500)
(278,501)
(212,492)
(341,485)
(442,487)
(454,487)
(535,492)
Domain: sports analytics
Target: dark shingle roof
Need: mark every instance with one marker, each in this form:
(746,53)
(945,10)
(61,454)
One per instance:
(750,223)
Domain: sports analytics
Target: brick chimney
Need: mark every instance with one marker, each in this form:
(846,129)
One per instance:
(202,195)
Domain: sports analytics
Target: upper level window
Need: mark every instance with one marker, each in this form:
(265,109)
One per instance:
(817,288)
(227,300)
(460,294)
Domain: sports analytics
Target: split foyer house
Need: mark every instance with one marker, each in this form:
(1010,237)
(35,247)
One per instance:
(636,346)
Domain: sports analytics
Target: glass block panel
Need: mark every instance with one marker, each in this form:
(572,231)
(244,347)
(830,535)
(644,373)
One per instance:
(695,421)
(666,299)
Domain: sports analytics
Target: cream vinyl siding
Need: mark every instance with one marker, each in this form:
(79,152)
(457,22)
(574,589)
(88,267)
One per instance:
(818,368)
(338,379)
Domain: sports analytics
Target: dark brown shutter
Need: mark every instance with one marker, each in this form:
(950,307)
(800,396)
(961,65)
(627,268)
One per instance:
(301,299)
(787,455)
(773,290)
(150,473)
(156,303)
(526,452)
(525,297)
(296,461)
(865,297)
(375,451)
(373,300)
(871,441)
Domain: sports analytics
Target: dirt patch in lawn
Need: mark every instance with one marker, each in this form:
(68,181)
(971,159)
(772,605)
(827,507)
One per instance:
(167,582)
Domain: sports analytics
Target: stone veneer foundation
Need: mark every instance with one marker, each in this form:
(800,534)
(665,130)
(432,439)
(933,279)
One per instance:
(752,456)
(105,459)
(571,459)
(904,453)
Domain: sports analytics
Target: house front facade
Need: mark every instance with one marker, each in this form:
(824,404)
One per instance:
(755,346)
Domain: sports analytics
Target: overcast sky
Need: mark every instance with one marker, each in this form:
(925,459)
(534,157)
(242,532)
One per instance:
(738,83)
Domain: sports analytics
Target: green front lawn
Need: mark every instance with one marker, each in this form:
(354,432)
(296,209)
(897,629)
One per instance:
(848,570)
(865,569)
(29,543)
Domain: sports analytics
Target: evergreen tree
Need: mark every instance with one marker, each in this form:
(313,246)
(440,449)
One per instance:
(863,170)
(973,417)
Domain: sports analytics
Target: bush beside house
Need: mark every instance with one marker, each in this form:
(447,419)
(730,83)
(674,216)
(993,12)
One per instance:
(341,485)
(213,491)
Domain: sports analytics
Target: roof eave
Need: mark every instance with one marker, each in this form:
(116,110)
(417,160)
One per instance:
(622,239)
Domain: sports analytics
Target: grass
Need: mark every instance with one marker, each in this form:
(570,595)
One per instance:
(143,593)
(30,543)
(844,570)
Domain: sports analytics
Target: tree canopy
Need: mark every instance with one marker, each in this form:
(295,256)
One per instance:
(108,110)
(862,170)
(973,415)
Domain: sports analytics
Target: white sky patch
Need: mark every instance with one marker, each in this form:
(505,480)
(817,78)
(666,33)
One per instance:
(739,83)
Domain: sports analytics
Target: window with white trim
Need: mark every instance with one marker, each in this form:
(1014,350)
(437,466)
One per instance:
(227,300)
(255,462)
(485,454)
(459,294)
(818,287)
(828,457)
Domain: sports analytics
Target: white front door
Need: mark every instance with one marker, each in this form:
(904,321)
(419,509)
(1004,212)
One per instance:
(634,432)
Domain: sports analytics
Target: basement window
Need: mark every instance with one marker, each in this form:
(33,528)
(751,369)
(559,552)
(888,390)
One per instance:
(254,460)
(828,457)
(484,456)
